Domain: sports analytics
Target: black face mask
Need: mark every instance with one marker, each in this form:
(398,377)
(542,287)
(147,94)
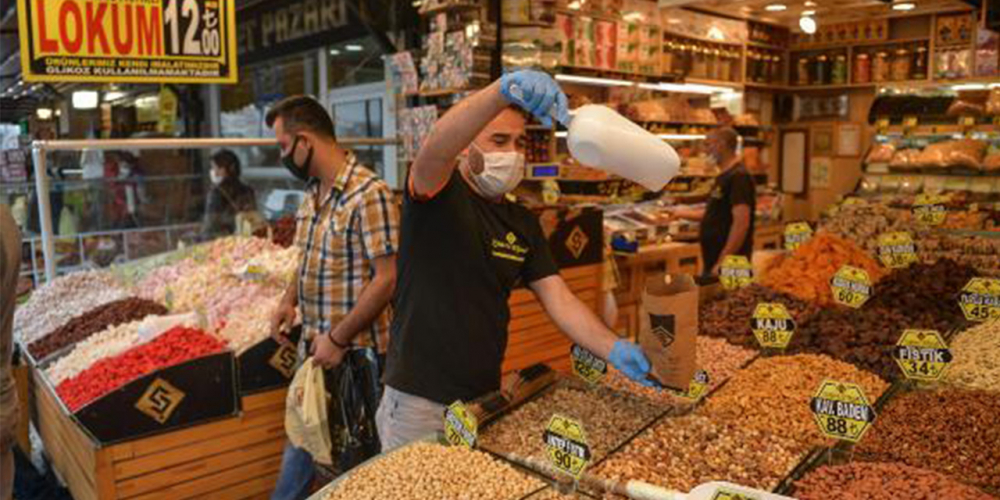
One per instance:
(299,171)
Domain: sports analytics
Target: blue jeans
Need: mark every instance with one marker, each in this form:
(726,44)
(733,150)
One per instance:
(296,475)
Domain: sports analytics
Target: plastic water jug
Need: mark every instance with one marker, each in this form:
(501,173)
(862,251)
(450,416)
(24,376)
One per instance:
(601,138)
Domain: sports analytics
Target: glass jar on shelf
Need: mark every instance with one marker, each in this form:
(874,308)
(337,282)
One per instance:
(880,67)
(920,63)
(862,68)
(901,65)
(775,75)
(821,70)
(668,56)
(802,73)
(710,60)
(839,73)
(699,63)
(735,65)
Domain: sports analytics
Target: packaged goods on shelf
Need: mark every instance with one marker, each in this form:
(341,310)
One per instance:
(421,471)
(882,481)
(175,346)
(772,394)
(93,321)
(729,316)
(976,358)
(608,417)
(906,158)
(960,153)
(950,431)
(681,453)
(806,273)
(55,304)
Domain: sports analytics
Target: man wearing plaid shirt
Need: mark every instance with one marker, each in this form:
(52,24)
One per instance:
(347,228)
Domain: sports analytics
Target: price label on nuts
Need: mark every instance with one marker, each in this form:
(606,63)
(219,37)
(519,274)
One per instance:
(896,250)
(882,124)
(587,366)
(566,445)
(929,209)
(842,411)
(772,325)
(697,388)
(851,286)
(796,234)
(910,121)
(460,425)
(736,272)
(980,299)
(922,354)
(724,493)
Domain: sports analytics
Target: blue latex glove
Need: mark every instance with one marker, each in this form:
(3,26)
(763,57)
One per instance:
(629,359)
(538,94)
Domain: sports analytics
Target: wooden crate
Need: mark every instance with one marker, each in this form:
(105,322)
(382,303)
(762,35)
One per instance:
(533,337)
(234,458)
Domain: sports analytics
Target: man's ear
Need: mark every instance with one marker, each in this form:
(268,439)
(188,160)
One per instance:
(475,159)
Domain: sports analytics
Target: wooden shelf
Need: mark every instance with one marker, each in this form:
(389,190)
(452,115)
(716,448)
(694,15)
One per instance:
(892,42)
(761,45)
(737,43)
(602,17)
(844,86)
(717,83)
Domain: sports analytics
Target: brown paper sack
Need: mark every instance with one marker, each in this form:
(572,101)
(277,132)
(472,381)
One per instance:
(669,328)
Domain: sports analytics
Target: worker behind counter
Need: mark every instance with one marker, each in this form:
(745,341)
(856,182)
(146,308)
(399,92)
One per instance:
(463,247)
(727,222)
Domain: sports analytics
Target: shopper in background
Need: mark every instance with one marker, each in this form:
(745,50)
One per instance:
(463,247)
(347,228)
(10,263)
(229,196)
(727,221)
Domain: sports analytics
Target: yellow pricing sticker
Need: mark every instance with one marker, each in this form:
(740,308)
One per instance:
(929,209)
(736,272)
(697,388)
(724,493)
(587,366)
(566,445)
(910,121)
(772,325)
(896,250)
(922,354)
(842,411)
(967,121)
(796,234)
(882,124)
(460,425)
(851,286)
(980,299)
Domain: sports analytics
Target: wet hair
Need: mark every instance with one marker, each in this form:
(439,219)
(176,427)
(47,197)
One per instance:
(227,161)
(302,113)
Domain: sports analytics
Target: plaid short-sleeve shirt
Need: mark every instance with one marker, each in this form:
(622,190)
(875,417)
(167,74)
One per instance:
(356,222)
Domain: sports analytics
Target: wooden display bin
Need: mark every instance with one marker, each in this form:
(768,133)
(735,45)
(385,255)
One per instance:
(268,365)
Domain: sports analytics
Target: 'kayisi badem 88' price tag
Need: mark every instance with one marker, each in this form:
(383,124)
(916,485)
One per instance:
(980,299)
(842,410)
(566,445)
(851,286)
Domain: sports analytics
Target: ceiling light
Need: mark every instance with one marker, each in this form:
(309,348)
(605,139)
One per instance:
(809,13)
(904,5)
(354,47)
(687,88)
(43,113)
(808,25)
(589,80)
(810,3)
(334,52)
(968,86)
(682,137)
(776,7)
(85,99)
(113,95)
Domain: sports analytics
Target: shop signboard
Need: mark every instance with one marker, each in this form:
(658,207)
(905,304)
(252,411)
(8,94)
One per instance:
(137,41)
(276,28)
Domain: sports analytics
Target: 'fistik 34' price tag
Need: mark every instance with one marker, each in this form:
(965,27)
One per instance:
(842,411)
(929,209)
(896,250)
(796,234)
(566,445)
(772,325)
(736,272)
(851,286)
(922,355)
(460,425)
(587,366)
(980,299)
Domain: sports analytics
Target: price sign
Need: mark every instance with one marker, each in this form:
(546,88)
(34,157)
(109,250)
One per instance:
(796,234)
(842,411)
(882,124)
(929,209)
(967,121)
(587,366)
(772,325)
(896,250)
(736,272)
(460,425)
(980,299)
(922,354)
(566,445)
(697,388)
(910,121)
(724,493)
(851,286)
(852,201)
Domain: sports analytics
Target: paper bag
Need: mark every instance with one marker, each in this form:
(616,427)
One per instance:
(305,413)
(669,328)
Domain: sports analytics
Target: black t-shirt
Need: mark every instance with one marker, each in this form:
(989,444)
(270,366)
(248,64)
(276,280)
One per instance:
(459,258)
(733,187)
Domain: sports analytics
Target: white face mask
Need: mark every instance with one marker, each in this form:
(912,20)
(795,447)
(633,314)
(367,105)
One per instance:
(215,176)
(502,172)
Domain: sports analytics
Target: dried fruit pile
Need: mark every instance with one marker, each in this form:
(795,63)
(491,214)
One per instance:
(93,321)
(882,481)
(729,315)
(976,363)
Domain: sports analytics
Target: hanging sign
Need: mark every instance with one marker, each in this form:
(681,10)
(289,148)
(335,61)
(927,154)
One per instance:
(736,272)
(922,355)
(851,286)
(980,299)
(896,250)
(566,445)
(796,234)
(842,411)
(139,41)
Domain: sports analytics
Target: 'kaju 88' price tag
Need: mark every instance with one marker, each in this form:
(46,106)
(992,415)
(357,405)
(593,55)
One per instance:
(566,445)
(980,299)
(842,411)
(772,325)
(460,425)
(929,209)
(796,234)
(922,355)
(896,250)
(587,366)
(851,286)
(736,272)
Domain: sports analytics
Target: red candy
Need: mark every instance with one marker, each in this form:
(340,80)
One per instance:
(175,346)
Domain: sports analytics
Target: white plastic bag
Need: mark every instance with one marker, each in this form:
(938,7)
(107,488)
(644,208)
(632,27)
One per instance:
(305,413)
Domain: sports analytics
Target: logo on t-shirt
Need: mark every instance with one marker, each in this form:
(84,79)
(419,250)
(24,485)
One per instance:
(662,328)
(509,248)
